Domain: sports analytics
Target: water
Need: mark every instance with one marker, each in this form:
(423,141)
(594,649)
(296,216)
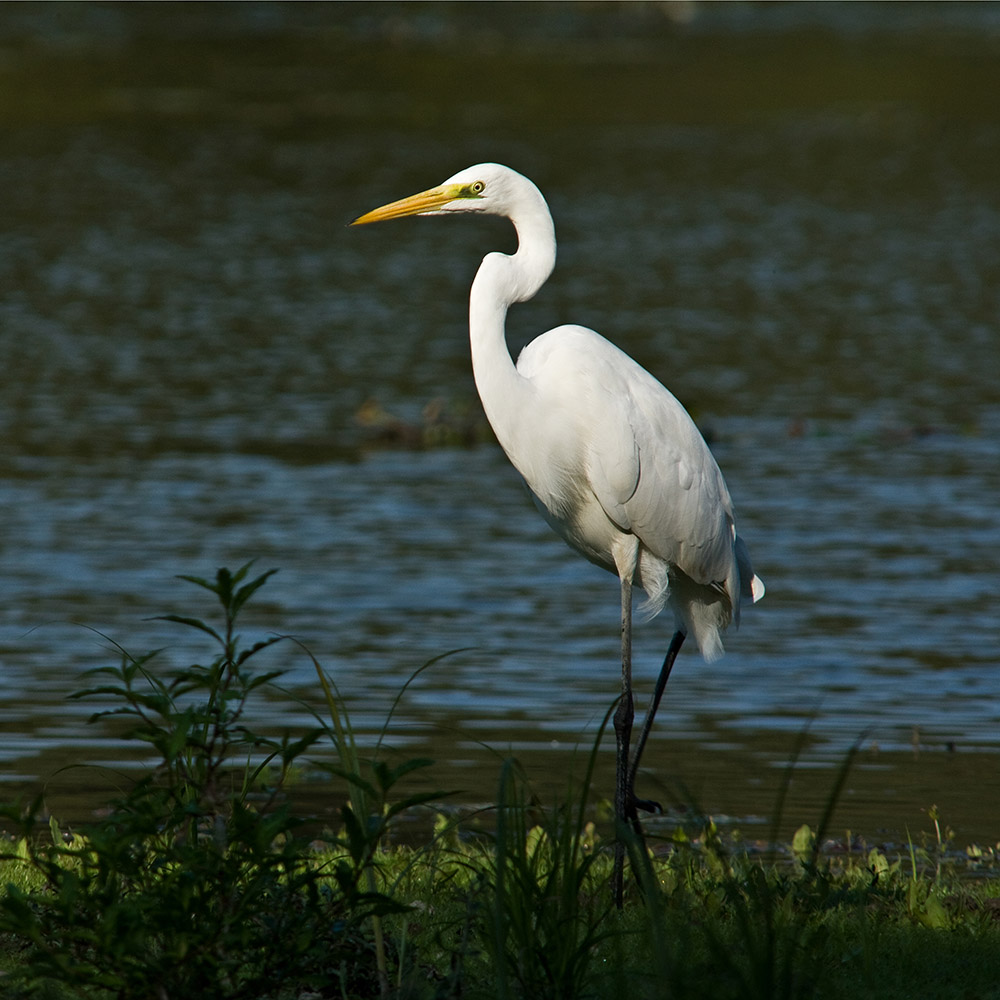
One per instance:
(790,215)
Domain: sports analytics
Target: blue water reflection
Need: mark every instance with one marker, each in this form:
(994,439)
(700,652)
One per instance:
(190,334)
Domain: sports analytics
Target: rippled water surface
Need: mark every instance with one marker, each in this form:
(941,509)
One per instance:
(791,215)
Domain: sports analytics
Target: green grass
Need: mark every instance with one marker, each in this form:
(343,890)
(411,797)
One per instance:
(202,882)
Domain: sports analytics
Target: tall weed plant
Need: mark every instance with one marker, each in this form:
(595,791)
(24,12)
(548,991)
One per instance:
(199,883)
(544,910)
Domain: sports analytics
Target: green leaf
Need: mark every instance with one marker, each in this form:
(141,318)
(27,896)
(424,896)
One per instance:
(421,799)
(387,777)
(353,777)
(191,623)
(803,843)
(934,914)
(245,593)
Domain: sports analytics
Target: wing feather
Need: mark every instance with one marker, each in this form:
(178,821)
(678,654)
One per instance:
(638,450)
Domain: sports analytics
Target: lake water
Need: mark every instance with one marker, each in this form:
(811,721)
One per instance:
(789,214)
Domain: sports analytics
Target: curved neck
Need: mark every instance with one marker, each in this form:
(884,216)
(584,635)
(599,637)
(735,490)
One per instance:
(500,281)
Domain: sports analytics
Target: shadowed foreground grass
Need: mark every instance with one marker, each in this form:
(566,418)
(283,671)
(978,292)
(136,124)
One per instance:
(201,881)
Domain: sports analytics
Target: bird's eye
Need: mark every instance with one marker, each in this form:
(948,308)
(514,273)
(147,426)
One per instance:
(478,187)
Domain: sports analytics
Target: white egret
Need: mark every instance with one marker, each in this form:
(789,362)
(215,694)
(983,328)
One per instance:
(614,462)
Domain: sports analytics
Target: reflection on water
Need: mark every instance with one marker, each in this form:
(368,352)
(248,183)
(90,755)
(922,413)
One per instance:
(794,225)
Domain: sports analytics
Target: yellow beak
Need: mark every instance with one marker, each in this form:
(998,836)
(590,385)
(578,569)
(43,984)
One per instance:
(416,204)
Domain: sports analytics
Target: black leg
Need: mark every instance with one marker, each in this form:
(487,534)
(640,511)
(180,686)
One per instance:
(632,803)
(624,717)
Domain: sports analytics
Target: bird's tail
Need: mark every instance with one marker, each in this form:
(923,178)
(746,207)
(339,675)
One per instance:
(703,611)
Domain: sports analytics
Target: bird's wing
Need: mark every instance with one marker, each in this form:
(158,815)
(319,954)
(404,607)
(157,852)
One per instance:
(613,462)
(583,380)
(636,448)
(652,471)
(681,508)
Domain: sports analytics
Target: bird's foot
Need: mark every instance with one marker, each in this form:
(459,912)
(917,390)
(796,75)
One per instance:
(646,805)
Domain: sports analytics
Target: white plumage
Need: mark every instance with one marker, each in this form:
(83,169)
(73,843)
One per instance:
(615,463)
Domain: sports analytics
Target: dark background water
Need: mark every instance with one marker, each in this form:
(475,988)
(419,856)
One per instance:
(789,213)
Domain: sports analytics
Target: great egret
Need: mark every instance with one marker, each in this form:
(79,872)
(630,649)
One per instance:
(614,462)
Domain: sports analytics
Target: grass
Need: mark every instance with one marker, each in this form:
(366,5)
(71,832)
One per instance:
(202,880)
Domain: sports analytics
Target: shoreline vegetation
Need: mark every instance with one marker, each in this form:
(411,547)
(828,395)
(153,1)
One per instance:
(202,880)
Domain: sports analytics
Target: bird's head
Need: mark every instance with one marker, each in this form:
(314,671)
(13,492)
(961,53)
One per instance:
(485,188)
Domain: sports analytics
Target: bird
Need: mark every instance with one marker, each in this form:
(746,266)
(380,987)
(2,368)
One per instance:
(612,459)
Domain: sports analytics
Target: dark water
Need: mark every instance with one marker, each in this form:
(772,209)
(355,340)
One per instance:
(790,214)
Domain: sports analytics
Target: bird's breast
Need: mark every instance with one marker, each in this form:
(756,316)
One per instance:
(578,518)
